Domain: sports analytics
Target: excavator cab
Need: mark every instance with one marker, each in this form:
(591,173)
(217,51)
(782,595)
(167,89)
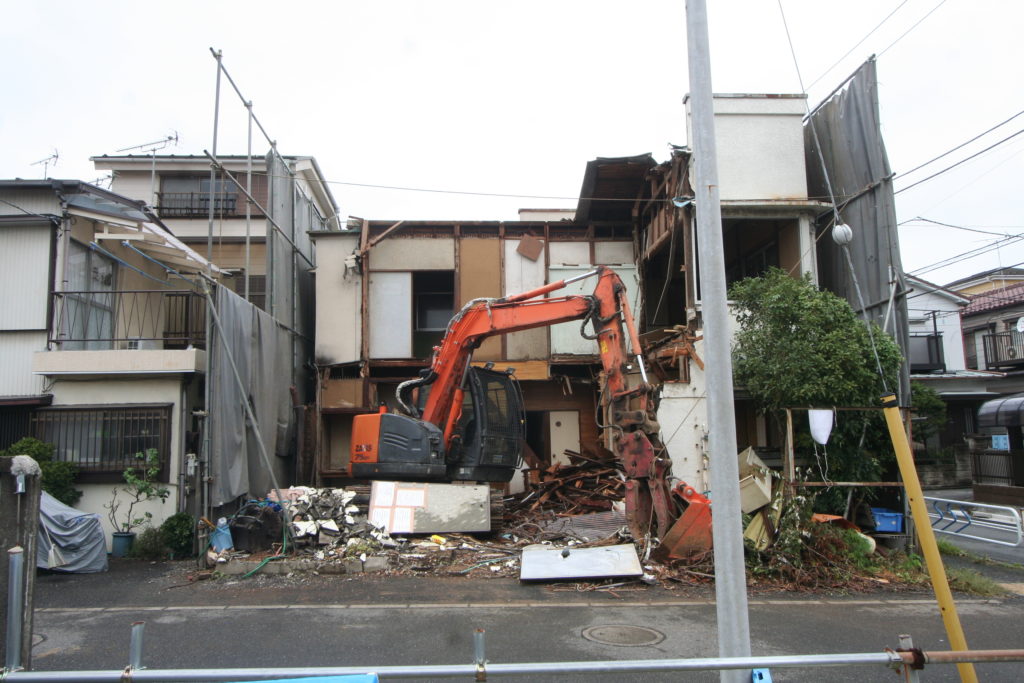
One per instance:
(488,443)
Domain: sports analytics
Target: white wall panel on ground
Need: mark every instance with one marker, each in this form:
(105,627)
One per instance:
(16,349)
(24,276)
(390,315)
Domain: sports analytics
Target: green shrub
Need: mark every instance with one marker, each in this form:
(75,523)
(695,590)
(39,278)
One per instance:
(149,545)
(58,477)
(177,532)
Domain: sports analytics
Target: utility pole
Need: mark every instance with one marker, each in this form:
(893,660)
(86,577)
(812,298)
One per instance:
(730,576)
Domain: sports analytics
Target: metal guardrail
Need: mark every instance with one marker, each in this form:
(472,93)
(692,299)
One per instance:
(958,517)
(906,659)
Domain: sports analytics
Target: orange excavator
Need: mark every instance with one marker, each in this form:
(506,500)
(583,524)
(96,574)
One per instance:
(468,423)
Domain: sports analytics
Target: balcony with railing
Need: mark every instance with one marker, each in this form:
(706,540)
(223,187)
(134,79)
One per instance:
(1004,350)
(126,331)
(926,353)
(197,205)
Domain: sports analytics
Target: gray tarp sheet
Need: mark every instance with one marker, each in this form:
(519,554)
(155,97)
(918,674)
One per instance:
(262,353)
(78,536)
(848,128)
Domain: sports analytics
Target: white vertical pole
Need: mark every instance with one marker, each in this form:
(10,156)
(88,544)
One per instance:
(730,578)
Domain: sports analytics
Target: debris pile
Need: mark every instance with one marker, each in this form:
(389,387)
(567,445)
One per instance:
(589,485)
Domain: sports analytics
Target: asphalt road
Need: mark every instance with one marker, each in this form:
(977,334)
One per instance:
(83,623)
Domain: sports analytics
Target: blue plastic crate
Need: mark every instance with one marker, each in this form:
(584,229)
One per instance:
(887,520)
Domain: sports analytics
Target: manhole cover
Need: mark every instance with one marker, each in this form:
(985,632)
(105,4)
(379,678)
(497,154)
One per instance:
(620,634)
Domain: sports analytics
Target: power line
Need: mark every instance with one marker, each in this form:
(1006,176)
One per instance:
(967,255)
(918,23)
(964,144)
(952,166)
(859,43)
(958,227)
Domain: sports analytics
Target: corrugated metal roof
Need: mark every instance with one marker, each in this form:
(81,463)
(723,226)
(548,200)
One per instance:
(1004,297)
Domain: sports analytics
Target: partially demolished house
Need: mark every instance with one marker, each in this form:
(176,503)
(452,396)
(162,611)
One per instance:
(386,289)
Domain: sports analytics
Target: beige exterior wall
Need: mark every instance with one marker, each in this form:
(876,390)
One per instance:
(111,392)
(612,253)
(338,301)
(569,253)
(413,253)
(135,184)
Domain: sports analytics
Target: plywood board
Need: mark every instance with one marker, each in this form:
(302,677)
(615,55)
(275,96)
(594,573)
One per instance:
(342,393)
(545,563)
(480,276)
(403,507)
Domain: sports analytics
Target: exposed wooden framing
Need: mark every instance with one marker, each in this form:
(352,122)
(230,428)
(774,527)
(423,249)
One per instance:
(456,276)
(502,284)
(364,318)
(849,484)
(376,240)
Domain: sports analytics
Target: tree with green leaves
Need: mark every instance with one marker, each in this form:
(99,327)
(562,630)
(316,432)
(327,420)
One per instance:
(58,476)
(801,347)
(929,412)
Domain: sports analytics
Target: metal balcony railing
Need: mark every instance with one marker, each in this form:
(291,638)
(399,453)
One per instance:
(128,319)
(993,467)
(197,205)
(926,353)
(1004,350)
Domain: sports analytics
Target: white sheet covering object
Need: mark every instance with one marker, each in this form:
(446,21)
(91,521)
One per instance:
(77,535)
(821,425)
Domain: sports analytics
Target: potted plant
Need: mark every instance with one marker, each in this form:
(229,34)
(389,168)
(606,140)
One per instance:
(140,486)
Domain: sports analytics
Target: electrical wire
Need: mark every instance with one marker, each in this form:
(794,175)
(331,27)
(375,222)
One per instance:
(952,260)
(957,227)
(962,161)
(961,145)
(859,43)
(918,23)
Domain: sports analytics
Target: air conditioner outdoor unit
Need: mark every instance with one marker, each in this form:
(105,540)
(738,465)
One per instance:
(144,344)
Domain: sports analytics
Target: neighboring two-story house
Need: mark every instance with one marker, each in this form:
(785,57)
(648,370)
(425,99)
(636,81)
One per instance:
(102,336)
(938,359)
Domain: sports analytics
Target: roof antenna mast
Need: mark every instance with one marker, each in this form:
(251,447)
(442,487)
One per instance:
(153,147)
(52,159)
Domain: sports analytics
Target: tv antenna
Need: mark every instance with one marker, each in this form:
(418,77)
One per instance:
(52,159)
(153,147)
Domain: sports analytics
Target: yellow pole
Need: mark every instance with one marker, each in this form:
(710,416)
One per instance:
(930,549)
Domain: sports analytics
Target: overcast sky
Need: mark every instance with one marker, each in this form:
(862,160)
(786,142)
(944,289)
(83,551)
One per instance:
(515,98)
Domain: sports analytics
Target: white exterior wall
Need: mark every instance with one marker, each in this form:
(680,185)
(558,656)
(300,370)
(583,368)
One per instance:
(338,301)
(522,275)
(16,352)
(947,322)
(24,276)
(390,305)
(683,415)
(566,337)
(99,392)
(757,132)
